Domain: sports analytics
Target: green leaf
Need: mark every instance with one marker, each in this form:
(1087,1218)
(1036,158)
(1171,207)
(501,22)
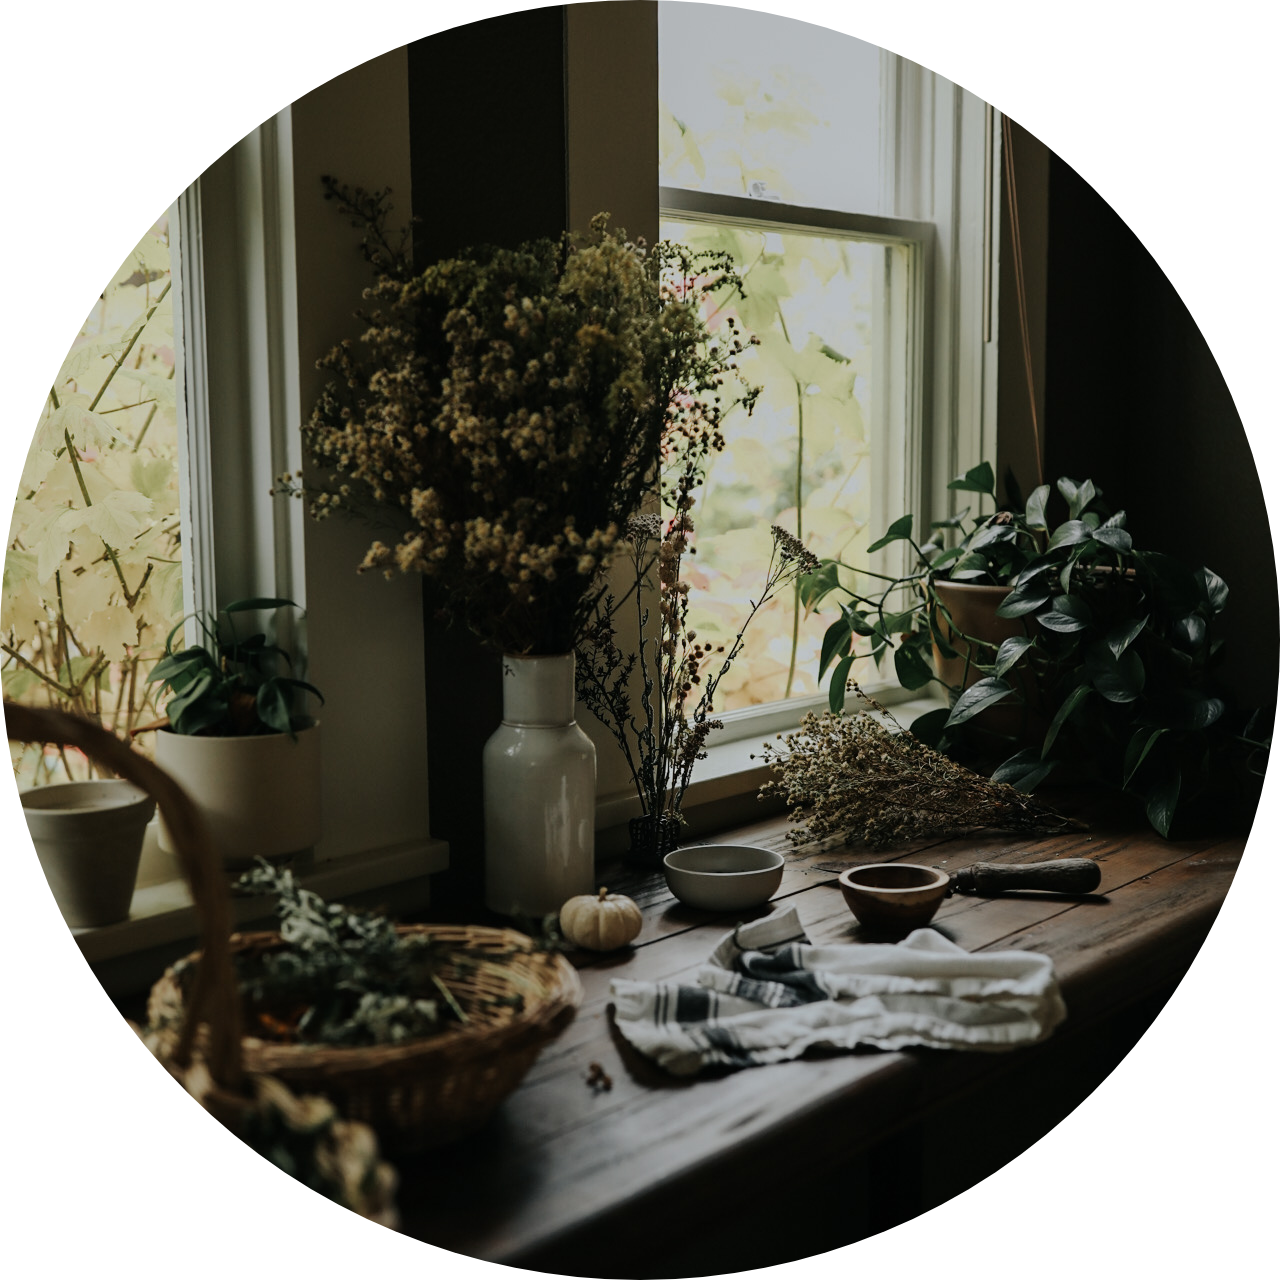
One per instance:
(1138,749)
(944,558)
(977,697)
(970,565)
(1214,590)
(1189,633)
(291,683)
(1010,651)
(1078,496)
(1194,711)
(835,640)
(201,715)
(195,703)
(1035,507)
(1120,637)
(897,531)
(839,678)
(1025,598)
(928,727)
(274,708)
(1026,770)
(951,522)
(1118,679)
(1162,803)
(180,663)
(1064,713)
(979,479)
(991,534)
(1115,539)
(857,620)
(1069,613)
(1068,534)
(814,587)
(913,671)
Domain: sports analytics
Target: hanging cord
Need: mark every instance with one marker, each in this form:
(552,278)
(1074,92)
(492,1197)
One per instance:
(1015,230)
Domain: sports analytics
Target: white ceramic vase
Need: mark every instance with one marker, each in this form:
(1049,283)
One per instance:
(88,837)
(260,794)
(539,792)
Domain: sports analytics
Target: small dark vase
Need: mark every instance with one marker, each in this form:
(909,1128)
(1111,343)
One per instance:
(652,836)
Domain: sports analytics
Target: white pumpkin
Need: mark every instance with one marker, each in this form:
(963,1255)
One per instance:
(603,922)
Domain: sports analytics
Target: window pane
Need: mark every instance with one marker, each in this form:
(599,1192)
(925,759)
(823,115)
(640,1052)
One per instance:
(93,573)
(754,104)
(814,455)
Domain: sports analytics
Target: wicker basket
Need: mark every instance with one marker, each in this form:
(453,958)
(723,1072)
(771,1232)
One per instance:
(428,1092)
(420,1094)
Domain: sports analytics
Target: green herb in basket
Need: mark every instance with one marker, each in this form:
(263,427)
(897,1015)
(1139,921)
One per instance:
(344,976)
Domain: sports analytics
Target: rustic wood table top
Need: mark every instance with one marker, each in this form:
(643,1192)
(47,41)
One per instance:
(564,1169)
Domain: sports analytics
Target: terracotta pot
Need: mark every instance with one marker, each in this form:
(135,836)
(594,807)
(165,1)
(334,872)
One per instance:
(88,837)
(973,611)
(260,794)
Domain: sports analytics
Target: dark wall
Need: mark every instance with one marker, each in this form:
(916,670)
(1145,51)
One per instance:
(1134,401)
(488,153)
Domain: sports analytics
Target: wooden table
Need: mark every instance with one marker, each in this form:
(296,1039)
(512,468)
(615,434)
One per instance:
(664,1176)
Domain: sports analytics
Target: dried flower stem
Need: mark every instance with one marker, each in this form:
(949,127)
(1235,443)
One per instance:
(857,776)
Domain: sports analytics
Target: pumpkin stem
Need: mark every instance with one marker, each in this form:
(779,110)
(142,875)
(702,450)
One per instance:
(603,892)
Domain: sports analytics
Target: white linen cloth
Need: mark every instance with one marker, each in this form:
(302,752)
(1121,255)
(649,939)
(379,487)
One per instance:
(767,994)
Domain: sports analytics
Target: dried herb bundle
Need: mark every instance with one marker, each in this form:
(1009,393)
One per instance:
(860,776)
(345,976)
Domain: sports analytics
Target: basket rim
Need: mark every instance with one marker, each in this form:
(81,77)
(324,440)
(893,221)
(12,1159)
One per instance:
(563,990)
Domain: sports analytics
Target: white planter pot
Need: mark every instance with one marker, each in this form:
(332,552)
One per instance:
(539,792)
(259,794)
(88,837)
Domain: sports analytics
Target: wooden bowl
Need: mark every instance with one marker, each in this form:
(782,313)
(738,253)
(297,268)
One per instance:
(893,897)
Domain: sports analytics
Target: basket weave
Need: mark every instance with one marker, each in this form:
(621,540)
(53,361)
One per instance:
(415,1095)
(428,1092)
(342,1154)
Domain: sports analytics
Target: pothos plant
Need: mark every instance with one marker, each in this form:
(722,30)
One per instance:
(234,687)
(1115,655)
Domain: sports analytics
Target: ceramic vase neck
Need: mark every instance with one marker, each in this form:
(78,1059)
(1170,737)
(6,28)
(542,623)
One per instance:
(538,690)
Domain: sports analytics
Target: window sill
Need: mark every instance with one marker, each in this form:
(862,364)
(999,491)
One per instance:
(129,955)
(726,783)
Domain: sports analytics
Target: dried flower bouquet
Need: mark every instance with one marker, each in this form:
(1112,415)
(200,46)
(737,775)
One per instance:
(858,776)
(504,412)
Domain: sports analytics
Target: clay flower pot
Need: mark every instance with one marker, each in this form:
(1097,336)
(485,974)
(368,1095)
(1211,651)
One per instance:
(260,794)
(973,612)
(88,837)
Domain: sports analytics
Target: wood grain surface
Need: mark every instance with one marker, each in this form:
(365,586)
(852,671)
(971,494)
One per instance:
(586,1181)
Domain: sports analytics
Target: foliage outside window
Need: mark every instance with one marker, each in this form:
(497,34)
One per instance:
(785,112)
(93,572)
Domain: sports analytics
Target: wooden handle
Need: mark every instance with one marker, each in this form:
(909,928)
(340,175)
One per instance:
(1063,875)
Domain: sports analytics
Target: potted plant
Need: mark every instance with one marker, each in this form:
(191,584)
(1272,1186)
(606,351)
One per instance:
(1106,654)
(235,740)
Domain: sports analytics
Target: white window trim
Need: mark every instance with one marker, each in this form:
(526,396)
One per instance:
(242,312)
(942,168)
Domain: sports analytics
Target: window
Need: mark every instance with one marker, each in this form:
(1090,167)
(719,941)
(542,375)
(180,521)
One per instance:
(836,176)
(93,573)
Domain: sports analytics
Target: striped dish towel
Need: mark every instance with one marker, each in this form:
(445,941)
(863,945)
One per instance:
(767,994)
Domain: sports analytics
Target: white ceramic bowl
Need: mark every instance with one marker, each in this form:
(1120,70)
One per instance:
(723,877)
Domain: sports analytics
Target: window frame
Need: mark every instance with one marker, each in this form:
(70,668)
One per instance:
(250,221)
(940,161)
